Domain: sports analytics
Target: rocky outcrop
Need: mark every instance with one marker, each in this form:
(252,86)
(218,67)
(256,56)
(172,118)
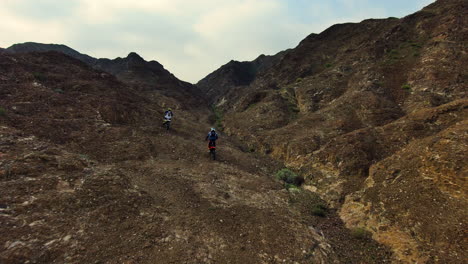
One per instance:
(364,111)
(415,199)
(234,74)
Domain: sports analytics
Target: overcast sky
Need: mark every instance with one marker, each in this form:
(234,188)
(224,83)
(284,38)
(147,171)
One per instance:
(191,38)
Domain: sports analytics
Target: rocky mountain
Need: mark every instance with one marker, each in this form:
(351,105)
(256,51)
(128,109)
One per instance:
(234,74)
(88,175)
(374,115)
(133,70)
(148,76)
(39,47)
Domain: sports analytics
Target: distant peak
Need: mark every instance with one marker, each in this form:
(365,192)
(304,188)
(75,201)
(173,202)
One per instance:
(134,55)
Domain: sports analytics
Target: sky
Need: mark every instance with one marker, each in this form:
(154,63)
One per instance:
(191,38)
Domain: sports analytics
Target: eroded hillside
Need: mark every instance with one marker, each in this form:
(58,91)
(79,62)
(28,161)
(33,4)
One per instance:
(374,115)
(88,175)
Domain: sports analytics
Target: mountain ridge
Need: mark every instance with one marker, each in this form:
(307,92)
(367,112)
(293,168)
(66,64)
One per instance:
(240,74)
(40,47)
(345,101)
(133,70)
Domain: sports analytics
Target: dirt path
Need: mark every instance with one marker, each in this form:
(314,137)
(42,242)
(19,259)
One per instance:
(228,211)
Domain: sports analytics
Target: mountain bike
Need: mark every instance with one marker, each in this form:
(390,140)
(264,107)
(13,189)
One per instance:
(212,148)
(167,124)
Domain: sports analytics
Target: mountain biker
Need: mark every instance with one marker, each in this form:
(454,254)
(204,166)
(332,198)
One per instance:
(212,136)
(168,115)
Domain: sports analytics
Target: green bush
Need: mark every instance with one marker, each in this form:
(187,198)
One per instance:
(319,209)
(291,187)
(360,233)
(299,80)
(289,177)
(328,65)
(2,111)
(406,87)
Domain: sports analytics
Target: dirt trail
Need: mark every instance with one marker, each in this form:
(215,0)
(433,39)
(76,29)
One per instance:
(227,210)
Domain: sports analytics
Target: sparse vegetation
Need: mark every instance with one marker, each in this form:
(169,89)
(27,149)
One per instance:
(360,233)
(291,187)
(218,117)
(289,177)
(407,49)
(406,87)
(392,56)
(289,96)
(286,175)
(328,65)
(319,210)
(2,111)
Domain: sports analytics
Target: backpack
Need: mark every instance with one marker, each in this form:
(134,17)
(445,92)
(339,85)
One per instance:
(213,136)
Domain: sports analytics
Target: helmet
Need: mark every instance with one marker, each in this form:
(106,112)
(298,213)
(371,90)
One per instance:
(169,109)
(212,129)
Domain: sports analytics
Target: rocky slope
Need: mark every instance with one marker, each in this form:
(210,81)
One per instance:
(133,70)
(88,175)
(374,116)
(235,74)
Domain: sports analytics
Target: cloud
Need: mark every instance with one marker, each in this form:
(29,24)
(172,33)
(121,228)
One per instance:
(17,28)
(190,38)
